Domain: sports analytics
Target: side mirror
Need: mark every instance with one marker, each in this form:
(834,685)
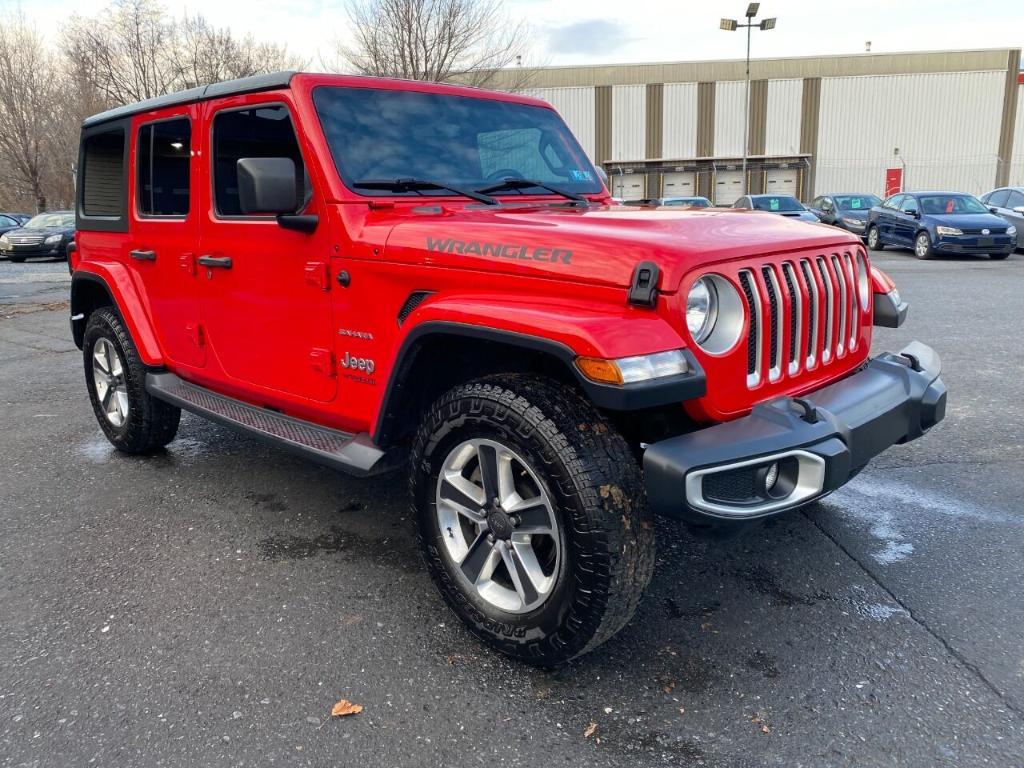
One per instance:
(993,209)
(267,185)
(603,175)
(912,212)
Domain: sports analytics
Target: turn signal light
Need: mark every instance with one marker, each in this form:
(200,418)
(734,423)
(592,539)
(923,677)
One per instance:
(597,369)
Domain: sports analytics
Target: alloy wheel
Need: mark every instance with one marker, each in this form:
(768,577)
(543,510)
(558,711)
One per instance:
(498,525)
(921,245)
(111,386)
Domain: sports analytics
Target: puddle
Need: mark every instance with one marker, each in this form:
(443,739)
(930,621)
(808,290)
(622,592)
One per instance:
(96,449)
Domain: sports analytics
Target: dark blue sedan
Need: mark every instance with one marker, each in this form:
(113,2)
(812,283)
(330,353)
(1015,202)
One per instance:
(939,222)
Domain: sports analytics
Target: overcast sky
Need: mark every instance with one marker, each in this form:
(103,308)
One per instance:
(567,32)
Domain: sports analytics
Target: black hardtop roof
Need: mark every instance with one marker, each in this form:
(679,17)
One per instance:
(268,82)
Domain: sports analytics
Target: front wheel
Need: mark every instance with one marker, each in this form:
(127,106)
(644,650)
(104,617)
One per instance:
(874,240)
(532,516)
(923,246)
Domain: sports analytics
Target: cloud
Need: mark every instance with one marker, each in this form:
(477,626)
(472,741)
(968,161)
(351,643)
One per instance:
(587,37)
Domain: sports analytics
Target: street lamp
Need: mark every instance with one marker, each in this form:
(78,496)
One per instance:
(731,25)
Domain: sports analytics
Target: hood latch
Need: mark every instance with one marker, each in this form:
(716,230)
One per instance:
(643,291)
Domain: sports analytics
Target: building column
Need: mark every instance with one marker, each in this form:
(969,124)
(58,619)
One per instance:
(603,123)
(809,119)
(1008,123)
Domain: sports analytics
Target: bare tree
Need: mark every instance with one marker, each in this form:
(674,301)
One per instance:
(31,119)
(466,41)
(133,51)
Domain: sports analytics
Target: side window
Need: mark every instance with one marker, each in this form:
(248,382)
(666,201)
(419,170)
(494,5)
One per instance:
(817,203)
(998,198)
(1016,199)
(102,175)
(893,202)
(6,222)
(909,204)
(163,159)
(263,131)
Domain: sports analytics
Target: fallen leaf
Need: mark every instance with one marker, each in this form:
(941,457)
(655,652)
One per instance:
(682,710)
(345,707)
(765,729)
(590,730)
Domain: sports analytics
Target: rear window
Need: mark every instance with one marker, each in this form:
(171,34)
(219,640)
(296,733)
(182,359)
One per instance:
(102,174)
(164,156)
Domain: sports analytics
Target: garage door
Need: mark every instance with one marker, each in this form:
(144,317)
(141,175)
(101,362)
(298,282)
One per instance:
(780,181)
(728,187)
(679,185)
(629,186)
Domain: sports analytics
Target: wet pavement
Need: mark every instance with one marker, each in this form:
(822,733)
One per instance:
(207,606)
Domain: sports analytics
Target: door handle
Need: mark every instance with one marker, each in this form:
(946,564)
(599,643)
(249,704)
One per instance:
(143,255)
(218,262)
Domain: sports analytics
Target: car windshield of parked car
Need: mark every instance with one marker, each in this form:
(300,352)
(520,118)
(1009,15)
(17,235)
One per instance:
(466,143)
(692,202)
(49,220)
(777,204)
(856,202)
(947,204)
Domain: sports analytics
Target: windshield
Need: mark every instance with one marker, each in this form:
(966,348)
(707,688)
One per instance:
(693,202)
(775,204)
(468,143)
(945,204)
(47,220)
(856,202)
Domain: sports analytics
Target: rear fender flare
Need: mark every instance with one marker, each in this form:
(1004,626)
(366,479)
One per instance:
(116,282)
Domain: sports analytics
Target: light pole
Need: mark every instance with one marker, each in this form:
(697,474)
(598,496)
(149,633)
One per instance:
(731,25)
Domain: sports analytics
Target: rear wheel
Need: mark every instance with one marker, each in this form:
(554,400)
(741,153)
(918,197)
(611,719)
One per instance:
(923,246)
(133,420)
(874,240)
(532,516)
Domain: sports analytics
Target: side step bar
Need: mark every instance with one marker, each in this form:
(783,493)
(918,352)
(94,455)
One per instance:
(354,454)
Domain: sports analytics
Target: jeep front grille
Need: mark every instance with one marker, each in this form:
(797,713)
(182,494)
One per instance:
(802,312)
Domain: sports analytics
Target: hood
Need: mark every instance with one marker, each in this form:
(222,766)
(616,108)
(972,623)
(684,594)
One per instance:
(47,231)
(597,245)
(970,220)
(860,214)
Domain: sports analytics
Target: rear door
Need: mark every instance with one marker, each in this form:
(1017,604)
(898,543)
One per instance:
(265,300)
(164,215)
(887,216)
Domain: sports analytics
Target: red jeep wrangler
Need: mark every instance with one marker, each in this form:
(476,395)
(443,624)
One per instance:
(375,274)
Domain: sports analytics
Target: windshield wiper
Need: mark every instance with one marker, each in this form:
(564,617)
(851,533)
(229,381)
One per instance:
(513,183)
(417,185)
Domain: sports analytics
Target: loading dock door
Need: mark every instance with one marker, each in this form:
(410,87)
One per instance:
(679,184)
(728,187)
(629,186)
(780,181)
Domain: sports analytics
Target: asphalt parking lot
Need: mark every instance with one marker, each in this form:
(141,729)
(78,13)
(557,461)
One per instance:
(207,606)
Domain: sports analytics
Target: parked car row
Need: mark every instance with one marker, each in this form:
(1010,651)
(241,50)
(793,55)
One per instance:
(45,235)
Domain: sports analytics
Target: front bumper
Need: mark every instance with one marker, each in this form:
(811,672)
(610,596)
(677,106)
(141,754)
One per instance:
(971,244)
(816,443)
(33,251)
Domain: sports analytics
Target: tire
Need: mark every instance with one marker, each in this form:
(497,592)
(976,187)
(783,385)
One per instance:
(559,449)
(923,246)
(998,256)
(17,259)
(133,420)
(875,239)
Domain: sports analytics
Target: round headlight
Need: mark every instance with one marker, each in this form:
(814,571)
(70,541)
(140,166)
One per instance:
(701,308)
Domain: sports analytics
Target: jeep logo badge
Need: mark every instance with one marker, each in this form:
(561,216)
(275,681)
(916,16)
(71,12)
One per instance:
(359,363)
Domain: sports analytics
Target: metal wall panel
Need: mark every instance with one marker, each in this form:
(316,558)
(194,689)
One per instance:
(946,127)
(782,135)
(576,106)
(679,120)
(629,119)
(729,98)
(1017,161)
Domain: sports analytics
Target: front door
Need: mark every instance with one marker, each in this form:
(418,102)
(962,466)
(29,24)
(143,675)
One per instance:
(266,301)
(905,221)
(165,228)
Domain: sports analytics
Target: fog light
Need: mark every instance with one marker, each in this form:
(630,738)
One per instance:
(772,477)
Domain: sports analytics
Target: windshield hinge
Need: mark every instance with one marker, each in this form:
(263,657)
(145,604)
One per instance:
(643,290)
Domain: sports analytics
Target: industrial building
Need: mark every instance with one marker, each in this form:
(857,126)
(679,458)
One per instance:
(864,122)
